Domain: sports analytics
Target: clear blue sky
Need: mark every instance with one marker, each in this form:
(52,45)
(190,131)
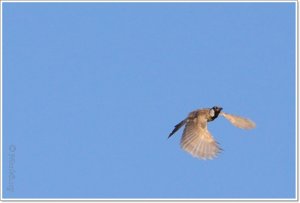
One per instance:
(92,90)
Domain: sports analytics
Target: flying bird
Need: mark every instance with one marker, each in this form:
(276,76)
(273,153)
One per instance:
(197,140)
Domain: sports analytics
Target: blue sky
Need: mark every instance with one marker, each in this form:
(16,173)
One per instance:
(92,90)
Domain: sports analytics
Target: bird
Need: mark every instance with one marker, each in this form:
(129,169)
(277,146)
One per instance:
(197,140)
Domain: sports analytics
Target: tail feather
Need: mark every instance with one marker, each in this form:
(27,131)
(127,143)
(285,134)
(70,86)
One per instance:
(176,127)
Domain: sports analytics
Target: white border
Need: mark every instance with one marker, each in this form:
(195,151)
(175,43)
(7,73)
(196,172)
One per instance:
(156,199)
(152,1)
(297,99)
(1,84)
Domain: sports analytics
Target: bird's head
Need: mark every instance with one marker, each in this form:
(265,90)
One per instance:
(215,111)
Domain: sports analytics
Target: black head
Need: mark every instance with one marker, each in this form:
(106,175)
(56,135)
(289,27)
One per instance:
(214,112)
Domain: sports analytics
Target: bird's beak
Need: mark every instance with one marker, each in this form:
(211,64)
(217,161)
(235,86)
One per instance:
(221,108)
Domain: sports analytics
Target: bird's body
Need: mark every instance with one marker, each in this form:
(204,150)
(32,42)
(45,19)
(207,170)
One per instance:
(196,138)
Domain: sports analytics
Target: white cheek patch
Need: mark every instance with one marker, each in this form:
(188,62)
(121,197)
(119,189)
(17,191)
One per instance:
(212,112)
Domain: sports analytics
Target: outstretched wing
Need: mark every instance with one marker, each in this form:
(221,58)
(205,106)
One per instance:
(239,121)
(197,140)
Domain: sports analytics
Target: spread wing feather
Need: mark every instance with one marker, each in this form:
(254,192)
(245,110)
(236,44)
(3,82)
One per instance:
(239,121)
(197,140)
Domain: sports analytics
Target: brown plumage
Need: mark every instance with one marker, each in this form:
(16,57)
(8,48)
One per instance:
(196,138)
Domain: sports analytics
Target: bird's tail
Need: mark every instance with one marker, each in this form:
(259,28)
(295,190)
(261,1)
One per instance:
(176,127)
